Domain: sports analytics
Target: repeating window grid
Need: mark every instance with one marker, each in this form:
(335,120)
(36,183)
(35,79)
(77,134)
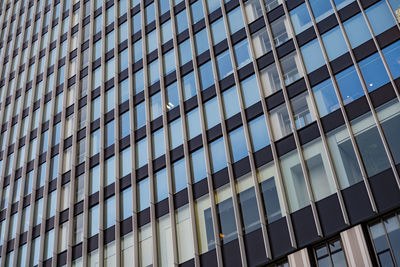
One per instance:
(23,178)
(256,184)
(11,185)
(375,116)
(185,135)
(318,119)
(171,205)
(132,139)
(286,212)
(382,222)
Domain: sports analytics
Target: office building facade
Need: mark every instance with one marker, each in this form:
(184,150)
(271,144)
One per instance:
(200,133)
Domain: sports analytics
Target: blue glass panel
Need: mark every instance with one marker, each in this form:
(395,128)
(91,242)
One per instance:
(238,144)
(217,155)
(392,56)
(224,64)
(161,184)
(179,174)
(312,55)
(349,85)
(380,17)
(325,97)
(321,9)
(206,75)
(143,194)
(259,133)
(300,18)
(198,165)
(357,30)
(334,43)
(374,72)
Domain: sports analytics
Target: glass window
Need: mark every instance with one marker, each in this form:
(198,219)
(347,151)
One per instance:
(312,55)
(258,133)
(184,234)
(193,123)
(349,85)
(201,41)
(94,179)
(78,229)
(109,212)
(181,21)
(189,86)
(151,41)
(261,42)
(253,10)
(370,144)
(218,30)
(271,4)
(300,18)
(343,157)
(242,53)
(125,162)
(197,11)
(172,96)
(325,97)
(357,30)
(109,133)
(389,117)
(321,9)
(166,31)
(303,112)
(156,106)
(143,194)
(380,17)
(271,192)
(164,6)
(217,155)
(230,102)
(280,30)
(280,121)
(385,237)
(334,43)
(374,72)
(124,122)
(141,153)
(175,133)
(169,62)
(320,175)
(392,56)
(137,50)
(251,94)
(139,81)
(226,216)
(205,232)
(224,64)
(212,5)
(93,220)
(145,246)
(237,141)
(95,143)
(198,165)
(140,115)
(158,143)
(161,185)
(150,14)
(270,80)
(291,67)
(247,203)
(164,239)
(126,203)
(179,175)
(330,254)
(185,52)
(154,72)
(342,3)
(211,110)
(235,20)
(294,181)
(206,75)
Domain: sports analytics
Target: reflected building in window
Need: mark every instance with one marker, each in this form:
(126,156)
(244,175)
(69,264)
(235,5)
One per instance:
(199,133)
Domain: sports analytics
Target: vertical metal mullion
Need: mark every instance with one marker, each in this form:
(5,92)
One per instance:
(132,138)
(117,161)
(88,135)
(102,135)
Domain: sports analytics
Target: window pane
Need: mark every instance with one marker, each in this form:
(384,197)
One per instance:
(206,75)
(158,143)
(374,72)
(300,18)
(237,142)
(184,234)
(357,30)
(294,181)
(242,53)
(143,194)
(280,122)
(235,20)
(380,17)
(161,185)
(334,43)
(321,9)
(211,109)
(370,145)
(193,123)
(258,133)
(231,102)
(251,94)
(312,55)
(224,65)
(198,165)
(303,112)
(218,30)
(217,155)
(392,56)
(325,97)
(349,85)
(226,216)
